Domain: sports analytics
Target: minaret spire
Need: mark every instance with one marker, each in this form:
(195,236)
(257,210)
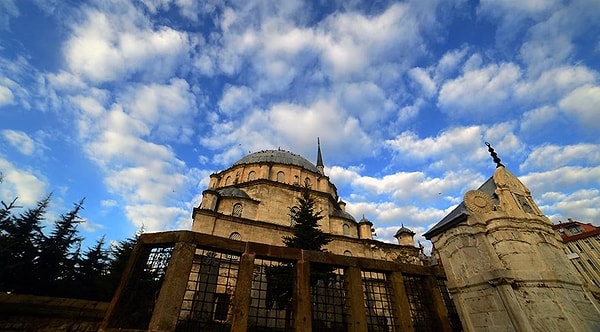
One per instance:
(494,155)
(320,165)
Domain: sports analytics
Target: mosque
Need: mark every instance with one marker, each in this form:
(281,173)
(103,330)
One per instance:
(251,201)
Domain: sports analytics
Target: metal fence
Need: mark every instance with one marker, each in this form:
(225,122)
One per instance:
(186,281)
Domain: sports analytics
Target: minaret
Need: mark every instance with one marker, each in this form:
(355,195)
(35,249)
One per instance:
(320,166)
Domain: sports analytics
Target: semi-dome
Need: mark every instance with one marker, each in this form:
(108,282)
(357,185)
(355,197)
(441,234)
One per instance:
(277,157)
(232,192)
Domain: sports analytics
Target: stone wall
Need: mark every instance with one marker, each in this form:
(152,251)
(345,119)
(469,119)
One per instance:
(40,313)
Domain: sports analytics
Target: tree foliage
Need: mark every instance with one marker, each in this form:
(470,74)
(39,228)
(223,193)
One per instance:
(306,235)
(52,263)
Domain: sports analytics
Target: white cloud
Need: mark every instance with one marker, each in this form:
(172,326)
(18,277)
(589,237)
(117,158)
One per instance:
(549,157)
(6,96)
(456,147)
(480,93)
(113,46)
(582,103)
(24,184)
(19,140)
(562,179)
(537,119)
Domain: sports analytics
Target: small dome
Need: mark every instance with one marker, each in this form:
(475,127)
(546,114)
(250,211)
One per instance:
(342,214)
(232,192)
(404,230)
(277,157)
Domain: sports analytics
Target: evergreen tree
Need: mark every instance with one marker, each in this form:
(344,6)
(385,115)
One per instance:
(306,233)
(93,274)
(58,257)
(119,257)
(20,246)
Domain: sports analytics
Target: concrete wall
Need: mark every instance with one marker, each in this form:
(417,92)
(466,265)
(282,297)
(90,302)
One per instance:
(40,313)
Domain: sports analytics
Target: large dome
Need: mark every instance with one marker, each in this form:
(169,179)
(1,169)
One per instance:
(277,157)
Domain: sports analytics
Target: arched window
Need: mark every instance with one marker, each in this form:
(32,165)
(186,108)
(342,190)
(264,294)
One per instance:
(346,229)
(296,180)
(251,175)
(307,182)
(237,210)
(235,236)
(347,253)
(280,176)
(228,181)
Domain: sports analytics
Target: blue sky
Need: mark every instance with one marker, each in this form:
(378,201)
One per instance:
(133,104)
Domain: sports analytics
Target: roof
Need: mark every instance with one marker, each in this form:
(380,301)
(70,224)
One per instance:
(277,157)
(459,213)
(584,230)
(232,192)
(404,230)
(342,214)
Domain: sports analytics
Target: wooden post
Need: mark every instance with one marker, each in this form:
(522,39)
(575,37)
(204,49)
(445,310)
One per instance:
(168,305)
(401,306)
(440,311)
(302,300)
(357,314)
(241,299)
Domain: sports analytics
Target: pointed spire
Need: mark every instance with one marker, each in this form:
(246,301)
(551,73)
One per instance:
(494,155)
(320,165)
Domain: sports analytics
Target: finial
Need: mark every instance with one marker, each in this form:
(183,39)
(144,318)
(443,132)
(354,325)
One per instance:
(494,155)
(319,156)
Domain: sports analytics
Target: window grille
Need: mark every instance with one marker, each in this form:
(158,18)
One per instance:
(251,175)
(420,303)
(328,299)
(452,312)
(280,176)
(379,301)
(271,302)
(237,210)
(135,310)
(209,293)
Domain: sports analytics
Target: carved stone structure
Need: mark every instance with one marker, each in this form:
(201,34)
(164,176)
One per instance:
(505,266)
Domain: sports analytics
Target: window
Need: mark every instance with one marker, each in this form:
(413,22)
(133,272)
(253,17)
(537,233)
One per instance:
(237,210)
(251,175)
(228,181)
(235,236)
(589,244)
(297,181)
(280,176)
(346,229)
(307,182)
(578,247)
(347,253)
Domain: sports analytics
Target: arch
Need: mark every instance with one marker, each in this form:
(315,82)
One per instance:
(235,236)
(280,176)
(251,175)
(346,229)
(237,210)
(307,182)
(228,180)
(347,253)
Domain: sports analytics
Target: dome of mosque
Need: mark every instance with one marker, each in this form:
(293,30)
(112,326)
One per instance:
(277,157)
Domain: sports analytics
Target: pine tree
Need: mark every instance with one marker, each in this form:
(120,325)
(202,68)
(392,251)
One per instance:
(59,251)
(93,275)
(20,243)
(306,233)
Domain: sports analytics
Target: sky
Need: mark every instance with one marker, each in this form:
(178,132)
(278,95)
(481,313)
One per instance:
(133,104)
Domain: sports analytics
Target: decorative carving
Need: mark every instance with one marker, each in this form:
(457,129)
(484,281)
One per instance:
(478,201)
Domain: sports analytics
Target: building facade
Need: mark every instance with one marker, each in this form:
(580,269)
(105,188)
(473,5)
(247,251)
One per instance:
(505,265)
(582,247)
(251,201)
